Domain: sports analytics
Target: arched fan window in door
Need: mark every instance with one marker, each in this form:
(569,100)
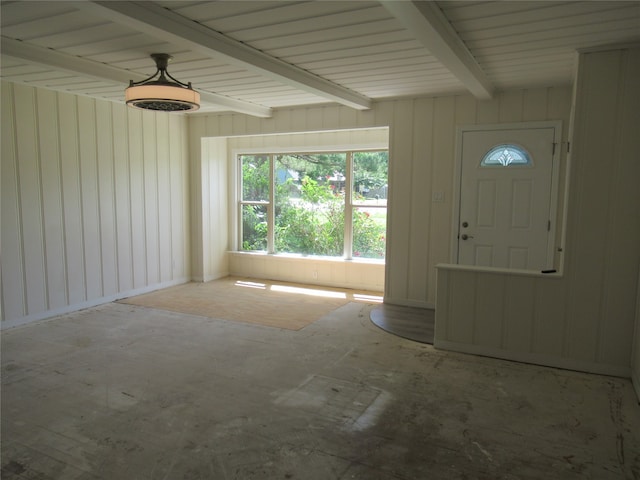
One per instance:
(506,155)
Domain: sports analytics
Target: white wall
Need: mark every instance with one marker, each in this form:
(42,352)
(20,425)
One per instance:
(583,318)
(94,202)
(210,233)
(89,225)
(422,143)
(357,275)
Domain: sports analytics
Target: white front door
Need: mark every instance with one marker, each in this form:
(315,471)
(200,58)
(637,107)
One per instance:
(505,202)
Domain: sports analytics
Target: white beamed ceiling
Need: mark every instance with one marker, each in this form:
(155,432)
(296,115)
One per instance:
(364,47)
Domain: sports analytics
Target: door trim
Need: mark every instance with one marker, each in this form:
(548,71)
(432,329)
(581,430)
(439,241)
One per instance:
(555,178)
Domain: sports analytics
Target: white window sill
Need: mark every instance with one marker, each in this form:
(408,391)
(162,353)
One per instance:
(315,258)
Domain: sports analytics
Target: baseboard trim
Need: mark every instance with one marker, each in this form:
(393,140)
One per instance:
(535,359)
(49,314)
(211,277)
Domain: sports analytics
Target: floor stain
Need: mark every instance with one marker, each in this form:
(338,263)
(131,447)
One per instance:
(13,468)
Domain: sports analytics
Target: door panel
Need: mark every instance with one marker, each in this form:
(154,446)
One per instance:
(522,204)
(505,202)
(486,202)
(483,255)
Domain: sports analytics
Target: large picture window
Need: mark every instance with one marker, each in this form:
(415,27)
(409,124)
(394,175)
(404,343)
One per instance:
(328,204)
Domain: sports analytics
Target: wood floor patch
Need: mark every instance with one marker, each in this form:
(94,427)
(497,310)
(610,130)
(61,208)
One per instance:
(272,304)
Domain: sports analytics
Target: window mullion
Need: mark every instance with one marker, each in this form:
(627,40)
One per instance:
(271,211)
(239,186)
(348,209)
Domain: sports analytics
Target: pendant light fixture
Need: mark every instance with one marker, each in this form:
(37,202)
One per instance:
(165,93)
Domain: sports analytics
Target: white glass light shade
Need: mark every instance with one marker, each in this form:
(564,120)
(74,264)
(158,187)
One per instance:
(162,98)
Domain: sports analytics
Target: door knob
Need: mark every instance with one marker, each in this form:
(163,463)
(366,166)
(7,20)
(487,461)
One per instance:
(465,236)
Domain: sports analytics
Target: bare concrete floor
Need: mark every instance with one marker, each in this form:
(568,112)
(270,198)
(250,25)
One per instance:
(123,392)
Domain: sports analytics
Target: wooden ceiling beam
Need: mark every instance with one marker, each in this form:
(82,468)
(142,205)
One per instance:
(171,27)
(433,30)
(100,71)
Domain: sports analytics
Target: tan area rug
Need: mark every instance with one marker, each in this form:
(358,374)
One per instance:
(273,304)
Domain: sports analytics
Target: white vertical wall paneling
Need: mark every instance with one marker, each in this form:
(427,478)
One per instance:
(122,192)
(534,104)
(198,128)
(151,211)
(315,120)
(219,219)
(332,273)
(462,329)
(330,117)
(489,314)
(187,217)
(383,114)
(550,328)
(299,118)
(432,210)
(465,114)
(443,301)
(488,112)
(282,122)
(347,117)
(137,195)
(13,298)
(415,192)
(181,191)
(586,235)
(239,123)
(30,200)
(421,193)
(465,110)
(214,198)
(622,234)
(400,174)
(205,185)
(519,312)
(217,212)
(252,124)
(51,199)
(583,319)
(557,105)
(76,201)
(164,198)
(510,109)
(610,304)
(178,208)
(106,193)
(71,199)
(89,193)
(443,165)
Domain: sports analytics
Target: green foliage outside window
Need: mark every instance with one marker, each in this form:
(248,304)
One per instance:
(312,226)
(254,227)
(369,235)
(310,204)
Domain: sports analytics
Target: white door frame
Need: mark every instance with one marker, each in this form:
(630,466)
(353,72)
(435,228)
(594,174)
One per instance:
(555,178)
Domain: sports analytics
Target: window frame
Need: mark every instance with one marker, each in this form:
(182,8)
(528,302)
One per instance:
(349,204)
